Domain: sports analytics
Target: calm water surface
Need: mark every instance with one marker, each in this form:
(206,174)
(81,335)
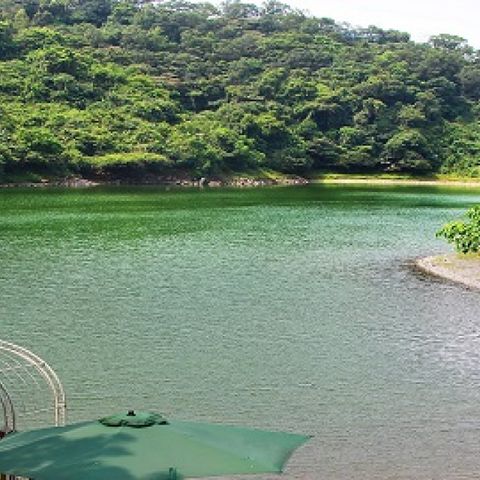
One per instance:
(282,308)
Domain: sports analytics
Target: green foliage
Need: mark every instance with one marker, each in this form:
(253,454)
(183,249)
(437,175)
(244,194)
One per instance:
(126,159)
(464,235)
(103,85)
(407,150)
(462,149)
(205,145)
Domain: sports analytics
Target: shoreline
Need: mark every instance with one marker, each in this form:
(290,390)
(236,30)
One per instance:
(461,269)
(169,181)
(399,181)
(240,180)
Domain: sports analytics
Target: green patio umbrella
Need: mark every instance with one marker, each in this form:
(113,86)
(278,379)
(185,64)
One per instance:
(144,446)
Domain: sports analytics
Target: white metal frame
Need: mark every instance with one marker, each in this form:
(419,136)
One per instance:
(45,371)
(8,411)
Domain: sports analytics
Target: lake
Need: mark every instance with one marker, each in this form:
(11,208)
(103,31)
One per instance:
(290,308)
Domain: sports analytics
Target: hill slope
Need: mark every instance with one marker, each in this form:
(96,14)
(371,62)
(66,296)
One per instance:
(127,87)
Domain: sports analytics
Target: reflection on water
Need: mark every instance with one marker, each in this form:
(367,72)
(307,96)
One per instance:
(281,308)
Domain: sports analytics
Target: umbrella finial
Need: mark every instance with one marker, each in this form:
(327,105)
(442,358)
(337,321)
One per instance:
(133,419)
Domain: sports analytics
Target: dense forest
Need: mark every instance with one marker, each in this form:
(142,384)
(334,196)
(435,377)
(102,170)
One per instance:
(117,87)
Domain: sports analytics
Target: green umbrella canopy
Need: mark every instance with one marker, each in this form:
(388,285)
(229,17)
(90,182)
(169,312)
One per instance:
(144,446)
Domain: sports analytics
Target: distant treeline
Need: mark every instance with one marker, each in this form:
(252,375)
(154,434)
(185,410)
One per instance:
(112,86)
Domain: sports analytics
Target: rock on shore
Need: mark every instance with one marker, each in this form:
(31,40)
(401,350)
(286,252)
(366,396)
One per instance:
(464,269)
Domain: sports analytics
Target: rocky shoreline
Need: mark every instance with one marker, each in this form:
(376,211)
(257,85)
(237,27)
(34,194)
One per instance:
(76,181)
(80,182)
(462,269)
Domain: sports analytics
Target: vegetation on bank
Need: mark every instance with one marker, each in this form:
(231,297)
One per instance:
(127,87)
(372,177)
(464,234)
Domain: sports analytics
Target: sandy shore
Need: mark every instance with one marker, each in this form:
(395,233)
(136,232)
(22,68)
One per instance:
(464,269)
(399,181)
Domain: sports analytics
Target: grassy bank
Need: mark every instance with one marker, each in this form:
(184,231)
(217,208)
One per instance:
(395,179)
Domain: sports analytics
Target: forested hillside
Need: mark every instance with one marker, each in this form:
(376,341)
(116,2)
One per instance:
(121,87)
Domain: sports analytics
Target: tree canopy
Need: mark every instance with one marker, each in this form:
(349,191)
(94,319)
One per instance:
(96,86)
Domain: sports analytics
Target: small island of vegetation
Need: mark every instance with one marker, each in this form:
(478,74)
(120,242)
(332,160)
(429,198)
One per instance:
(132,88)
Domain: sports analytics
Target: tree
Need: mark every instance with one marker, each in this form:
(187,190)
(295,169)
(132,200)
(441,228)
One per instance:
(90,11)
(470,78)
(204,145)
(449,42)
(238,9)
(274,7)
(411,116)
(407,150)
(7,44)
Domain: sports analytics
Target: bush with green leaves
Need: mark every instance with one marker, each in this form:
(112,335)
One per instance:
(465,235)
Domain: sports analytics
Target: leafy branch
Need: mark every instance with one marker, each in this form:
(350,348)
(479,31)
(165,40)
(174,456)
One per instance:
(465,235)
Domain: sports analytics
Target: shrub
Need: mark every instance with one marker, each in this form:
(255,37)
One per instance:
(464,235)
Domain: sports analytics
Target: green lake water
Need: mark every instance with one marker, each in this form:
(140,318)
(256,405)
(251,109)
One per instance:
(292,308)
